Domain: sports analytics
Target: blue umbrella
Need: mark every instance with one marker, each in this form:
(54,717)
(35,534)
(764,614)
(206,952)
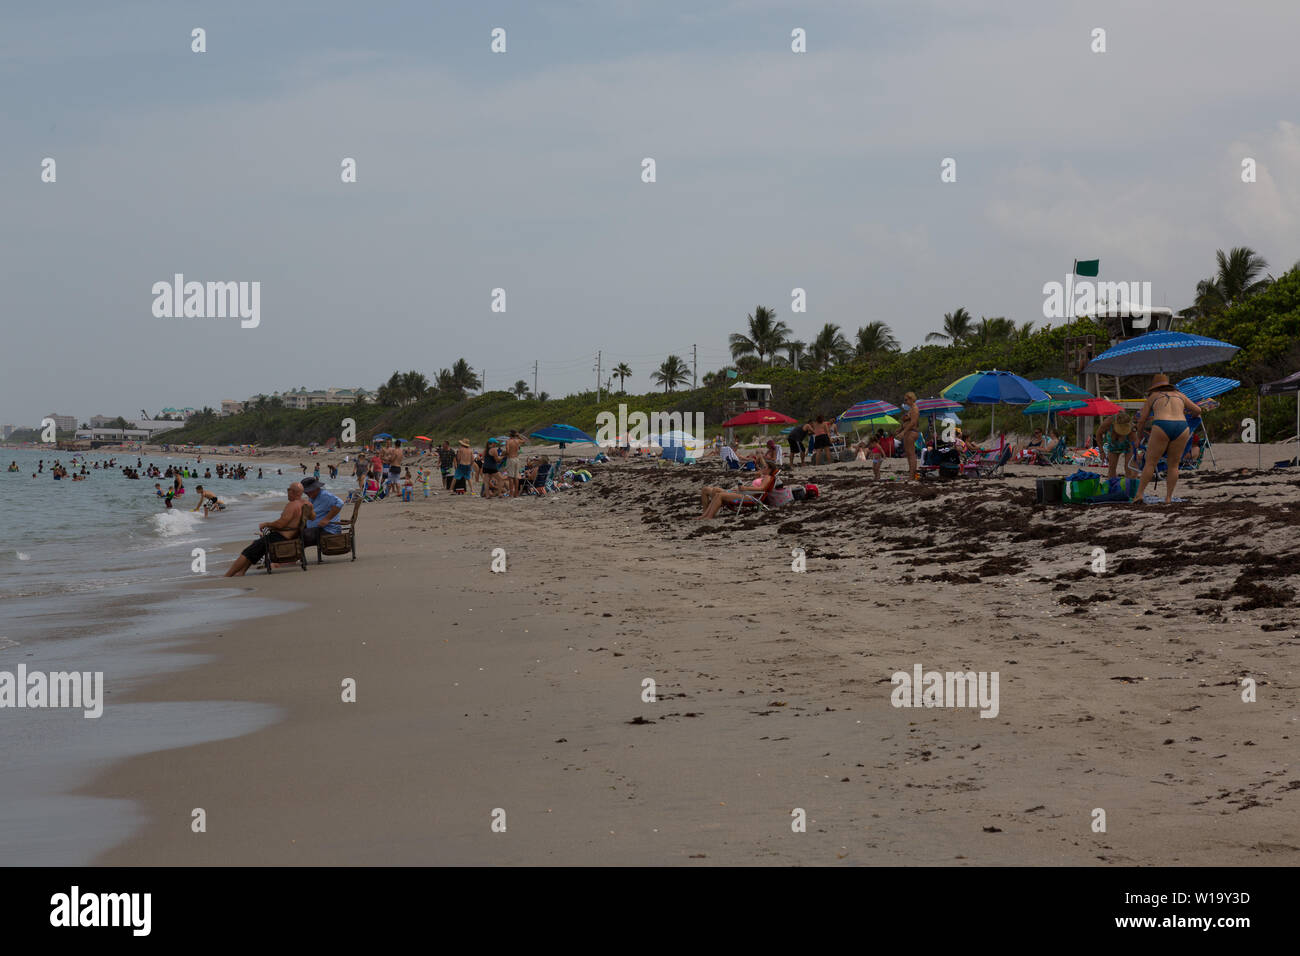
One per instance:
(383,435)
(1201,387)
(1160,352)
(563,434)
(994,388)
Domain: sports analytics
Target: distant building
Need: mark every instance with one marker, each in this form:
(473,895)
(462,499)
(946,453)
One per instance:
(230,407)
(102,421)
(64,423)
(153,426)
(302,398)
(111,436)
(181,413)
(7,430)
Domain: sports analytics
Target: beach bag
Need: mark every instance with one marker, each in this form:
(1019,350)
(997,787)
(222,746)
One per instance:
(811,491)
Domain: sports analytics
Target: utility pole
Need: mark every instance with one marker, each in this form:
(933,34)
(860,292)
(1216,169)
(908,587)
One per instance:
(534,377)
(598,376)
(695,366)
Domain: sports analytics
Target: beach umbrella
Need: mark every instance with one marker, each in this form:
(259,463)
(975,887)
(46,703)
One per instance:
(1059,388)
(932,405)
(759,416)
(994,387)
(1160,352)
(868,410)
(562,434)
(1201,387)
(383,435)
(1093,408)
(1053,405)
(423,438)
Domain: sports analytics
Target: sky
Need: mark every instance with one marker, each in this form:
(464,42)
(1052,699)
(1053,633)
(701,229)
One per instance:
(522,171)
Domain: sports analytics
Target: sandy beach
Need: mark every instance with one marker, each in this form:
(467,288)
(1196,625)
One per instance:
(522,691)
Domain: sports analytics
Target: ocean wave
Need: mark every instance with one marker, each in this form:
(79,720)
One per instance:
(173,523)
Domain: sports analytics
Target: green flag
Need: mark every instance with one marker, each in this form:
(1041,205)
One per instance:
(1087,267)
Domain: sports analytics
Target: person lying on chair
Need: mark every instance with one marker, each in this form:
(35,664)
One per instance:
(283,528)
(325,507)
(713,498)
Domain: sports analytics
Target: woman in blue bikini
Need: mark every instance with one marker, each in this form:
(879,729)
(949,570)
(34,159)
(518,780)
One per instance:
(1165,413)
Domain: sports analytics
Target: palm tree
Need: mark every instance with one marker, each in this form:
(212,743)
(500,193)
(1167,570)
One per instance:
(1025,331)
(957,328)
(766,336)
(543,396)
(829,348)
(795,350)
(1241,273)
(993,330)
(463,378)
(520,389)
(875,337)
(671,374)
(414,386)
(622,370)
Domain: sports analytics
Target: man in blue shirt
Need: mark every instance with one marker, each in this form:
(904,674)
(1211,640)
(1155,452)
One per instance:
(325,511)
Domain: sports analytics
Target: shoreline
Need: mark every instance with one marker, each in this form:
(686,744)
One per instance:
(773,693)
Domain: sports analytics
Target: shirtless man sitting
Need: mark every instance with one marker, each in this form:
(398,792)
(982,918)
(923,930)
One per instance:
(283,528)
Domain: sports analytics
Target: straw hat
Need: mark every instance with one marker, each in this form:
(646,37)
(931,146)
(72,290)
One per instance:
(1123,424)
(464,443)
(1160,383)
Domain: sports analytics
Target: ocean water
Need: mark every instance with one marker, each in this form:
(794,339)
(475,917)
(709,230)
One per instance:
(64,539)
(90,580)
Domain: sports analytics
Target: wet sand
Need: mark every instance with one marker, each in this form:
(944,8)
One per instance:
(522,691)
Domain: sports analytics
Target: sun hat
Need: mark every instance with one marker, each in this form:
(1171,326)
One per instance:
(465,442)
(1123,424)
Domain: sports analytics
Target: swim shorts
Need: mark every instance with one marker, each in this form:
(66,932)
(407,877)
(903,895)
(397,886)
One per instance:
(512,467)
(821,441)
(462,473)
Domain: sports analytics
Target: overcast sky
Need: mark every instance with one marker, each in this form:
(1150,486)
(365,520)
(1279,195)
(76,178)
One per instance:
(522,171)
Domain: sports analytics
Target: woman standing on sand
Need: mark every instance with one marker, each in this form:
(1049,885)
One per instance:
(1165,412)
(908,432)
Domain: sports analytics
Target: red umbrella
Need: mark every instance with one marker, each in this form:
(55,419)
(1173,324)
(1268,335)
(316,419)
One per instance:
(758,416)
(1093,407)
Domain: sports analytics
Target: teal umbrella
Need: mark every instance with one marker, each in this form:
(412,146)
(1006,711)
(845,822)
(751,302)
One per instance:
(1053,405)
(1059,388)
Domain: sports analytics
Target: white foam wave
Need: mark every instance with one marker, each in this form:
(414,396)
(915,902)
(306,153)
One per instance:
(173,523)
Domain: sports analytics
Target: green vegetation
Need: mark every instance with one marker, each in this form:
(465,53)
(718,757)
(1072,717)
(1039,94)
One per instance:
(1239,304)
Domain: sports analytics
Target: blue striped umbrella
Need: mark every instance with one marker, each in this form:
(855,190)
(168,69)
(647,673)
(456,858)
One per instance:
(1201,387)
(1160,352)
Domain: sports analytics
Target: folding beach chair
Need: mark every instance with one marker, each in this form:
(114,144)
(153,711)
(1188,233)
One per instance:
(542,481)
(992,462)
(754,501)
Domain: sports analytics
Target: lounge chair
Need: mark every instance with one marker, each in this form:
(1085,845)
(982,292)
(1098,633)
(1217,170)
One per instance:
(292,550)
(343,541)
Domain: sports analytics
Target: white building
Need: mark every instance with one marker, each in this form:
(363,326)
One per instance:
(64,423)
